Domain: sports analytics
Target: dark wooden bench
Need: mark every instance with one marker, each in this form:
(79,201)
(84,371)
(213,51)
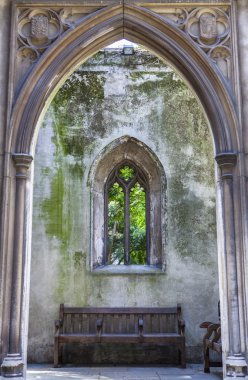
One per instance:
(211,341)
(119,325)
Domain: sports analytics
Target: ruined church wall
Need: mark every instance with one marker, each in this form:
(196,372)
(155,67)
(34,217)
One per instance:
(108,97)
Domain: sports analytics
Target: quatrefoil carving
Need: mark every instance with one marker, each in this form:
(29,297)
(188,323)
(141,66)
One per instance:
(208,27)
(38,28)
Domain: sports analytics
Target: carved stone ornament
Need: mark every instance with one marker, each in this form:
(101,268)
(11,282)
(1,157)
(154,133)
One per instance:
(38,28)
(27,54)
(178,16)
(221,56)
(209,27)
(70,16)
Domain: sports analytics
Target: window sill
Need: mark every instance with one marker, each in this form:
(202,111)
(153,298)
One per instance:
(127,269)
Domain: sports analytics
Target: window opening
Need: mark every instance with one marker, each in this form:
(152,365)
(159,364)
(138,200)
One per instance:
(126,216)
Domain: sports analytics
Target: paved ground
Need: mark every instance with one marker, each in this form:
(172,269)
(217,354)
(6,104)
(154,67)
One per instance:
(192,372)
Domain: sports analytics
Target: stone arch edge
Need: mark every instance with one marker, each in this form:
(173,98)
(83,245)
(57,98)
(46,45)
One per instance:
(113,145)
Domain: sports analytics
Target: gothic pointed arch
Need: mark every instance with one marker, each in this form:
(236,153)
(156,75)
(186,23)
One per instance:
(149,173)
(63,56)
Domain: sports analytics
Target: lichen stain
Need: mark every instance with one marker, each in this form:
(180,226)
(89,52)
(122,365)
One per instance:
(57,223)
(79,259)
(192,222)
(78,108)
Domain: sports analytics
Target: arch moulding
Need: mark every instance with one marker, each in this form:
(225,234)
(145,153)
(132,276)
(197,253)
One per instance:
(32,97)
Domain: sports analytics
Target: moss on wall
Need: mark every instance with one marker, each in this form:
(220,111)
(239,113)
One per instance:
(78,108)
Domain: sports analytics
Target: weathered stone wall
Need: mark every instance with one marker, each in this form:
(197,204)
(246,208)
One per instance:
(108,97)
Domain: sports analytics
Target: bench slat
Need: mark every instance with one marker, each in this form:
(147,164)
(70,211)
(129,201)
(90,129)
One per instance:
(118,310)
(67,325)
(78,338)
(92,323)
(85,324)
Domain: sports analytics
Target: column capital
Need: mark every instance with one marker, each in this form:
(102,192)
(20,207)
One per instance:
(226,162)
(22,163)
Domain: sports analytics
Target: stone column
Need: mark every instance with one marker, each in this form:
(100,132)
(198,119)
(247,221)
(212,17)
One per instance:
(235,362)
(12,365)
(241,7)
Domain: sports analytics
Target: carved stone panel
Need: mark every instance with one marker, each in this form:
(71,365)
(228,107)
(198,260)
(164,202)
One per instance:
(38,28)
(208,27)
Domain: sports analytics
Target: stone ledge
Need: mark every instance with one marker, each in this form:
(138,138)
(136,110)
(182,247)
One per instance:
(127,269)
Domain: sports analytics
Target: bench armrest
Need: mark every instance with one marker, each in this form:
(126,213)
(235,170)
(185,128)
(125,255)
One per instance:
(181,326)
(140,325)
(213,332)
(204,325)
(58,324)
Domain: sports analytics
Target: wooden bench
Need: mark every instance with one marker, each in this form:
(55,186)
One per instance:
(119,325)
(211,341)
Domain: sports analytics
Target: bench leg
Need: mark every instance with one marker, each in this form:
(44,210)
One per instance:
(56,352)
(60,354)
(182,358)
(206,360)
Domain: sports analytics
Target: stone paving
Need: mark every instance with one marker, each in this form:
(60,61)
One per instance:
(192,372)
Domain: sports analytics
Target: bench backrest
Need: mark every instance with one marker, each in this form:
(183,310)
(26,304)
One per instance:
(84,320)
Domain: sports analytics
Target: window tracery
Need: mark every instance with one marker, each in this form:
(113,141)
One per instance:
(128,209)
(127,216)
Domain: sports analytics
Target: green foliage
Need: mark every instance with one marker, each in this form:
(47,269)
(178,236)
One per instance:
(116,222)
(126,173)
(137,225)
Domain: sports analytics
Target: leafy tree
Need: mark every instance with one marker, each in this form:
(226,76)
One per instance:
(137,225)
(116,221)
(116,224)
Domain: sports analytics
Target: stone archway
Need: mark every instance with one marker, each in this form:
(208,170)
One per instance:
(164,39)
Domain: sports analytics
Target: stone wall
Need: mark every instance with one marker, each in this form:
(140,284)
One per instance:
(108,97)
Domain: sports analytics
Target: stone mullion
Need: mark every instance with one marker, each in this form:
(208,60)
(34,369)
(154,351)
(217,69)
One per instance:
(127,226)
(235,361)
(13,364)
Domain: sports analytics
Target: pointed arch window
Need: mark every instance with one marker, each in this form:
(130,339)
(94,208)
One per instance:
(127,216)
